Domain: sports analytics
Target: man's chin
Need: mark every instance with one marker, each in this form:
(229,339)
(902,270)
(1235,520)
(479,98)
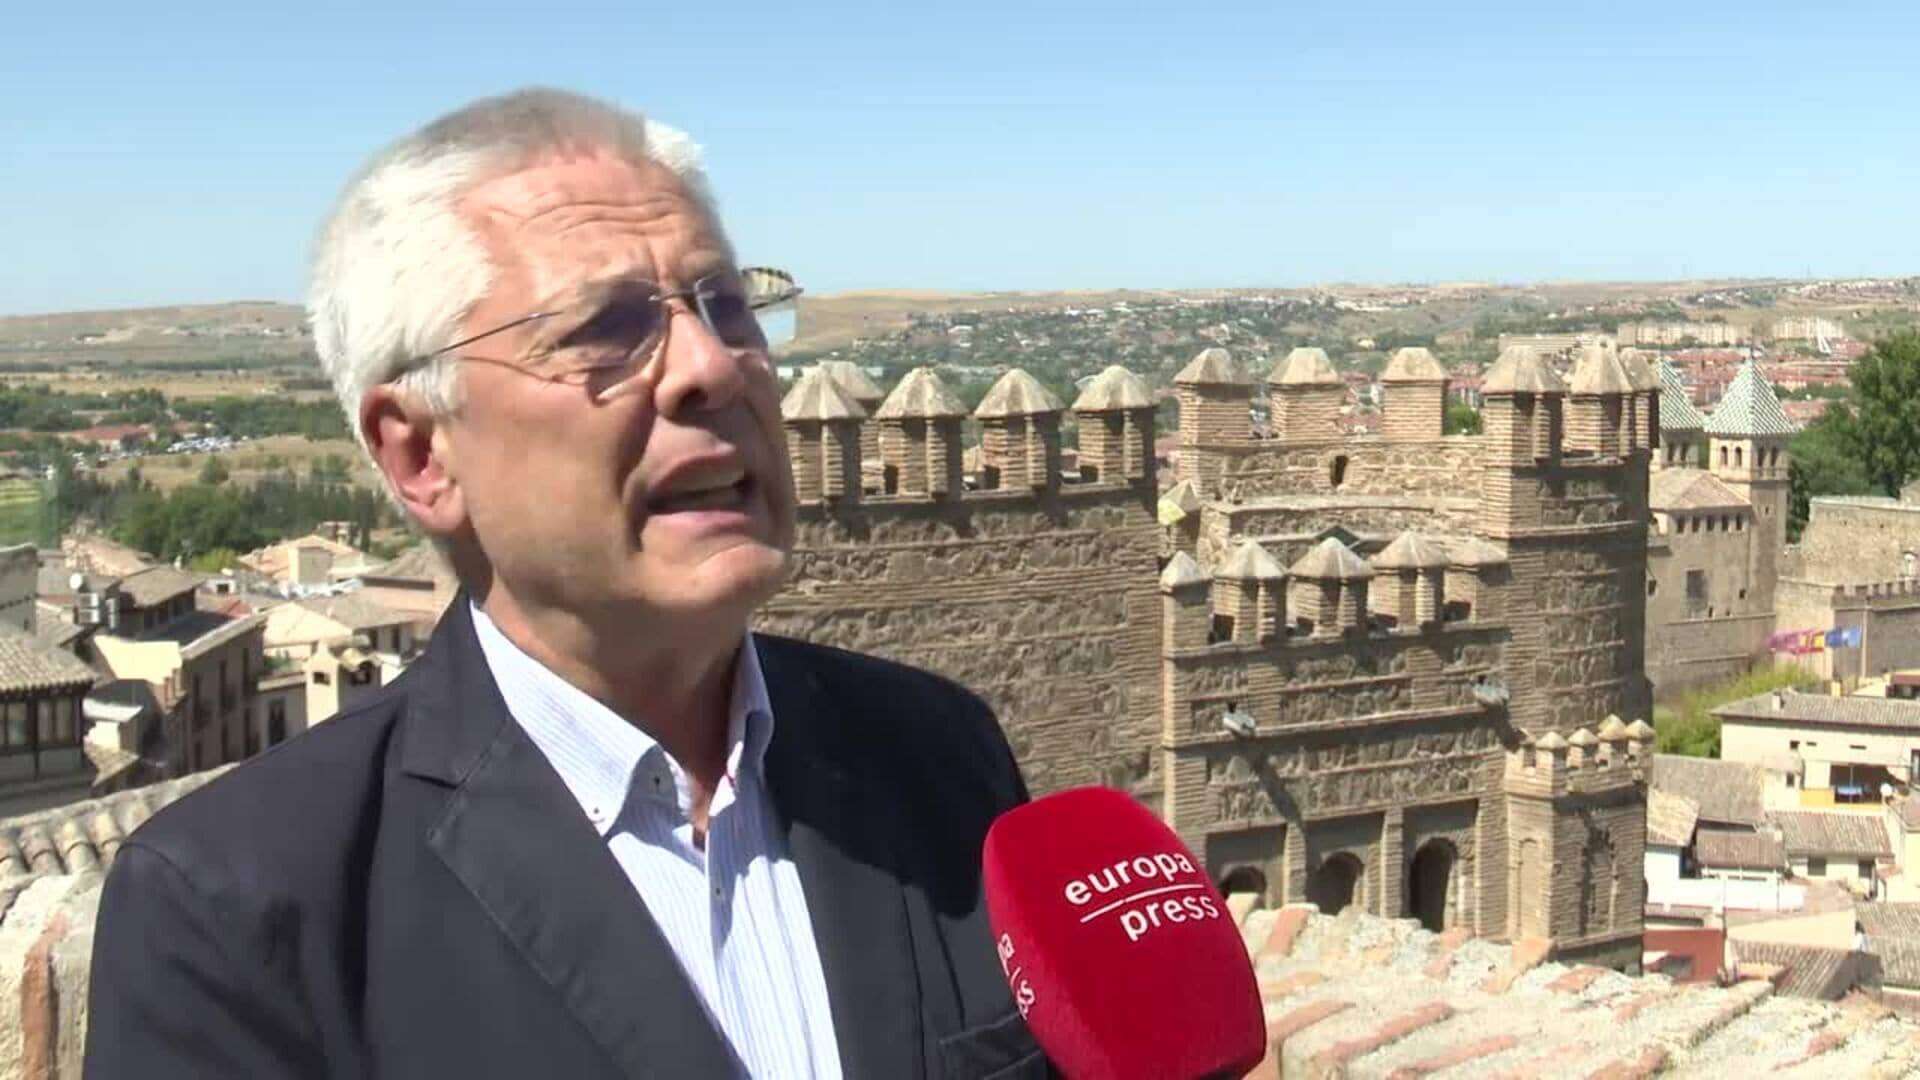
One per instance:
(733,580)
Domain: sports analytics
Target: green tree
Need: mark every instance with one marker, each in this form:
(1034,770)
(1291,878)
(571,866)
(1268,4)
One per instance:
(214,472)
(1822,462)
(1884,432)
(1462,419)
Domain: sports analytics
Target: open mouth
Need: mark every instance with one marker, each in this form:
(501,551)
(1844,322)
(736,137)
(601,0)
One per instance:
(725,495)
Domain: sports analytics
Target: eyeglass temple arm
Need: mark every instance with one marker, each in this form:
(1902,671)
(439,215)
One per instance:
(502,328)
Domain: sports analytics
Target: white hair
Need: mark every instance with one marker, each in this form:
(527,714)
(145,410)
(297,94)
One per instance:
(396,268)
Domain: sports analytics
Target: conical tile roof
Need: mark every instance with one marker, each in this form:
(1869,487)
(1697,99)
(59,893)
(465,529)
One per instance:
(1639,370)
(1305,366)
(1597,370)
(1017,394)
(1250,562)
(1411,551)
(1213,367)
(1677,412)
(852,380)
(1413,364)
(1520,370)
(816,396)
(1331,560)
(1749,408)
(1113,389)
(1181,571)
(921,395)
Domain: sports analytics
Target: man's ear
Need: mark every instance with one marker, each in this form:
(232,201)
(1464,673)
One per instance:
(409,447)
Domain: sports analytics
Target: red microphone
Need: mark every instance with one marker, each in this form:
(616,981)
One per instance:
(1120,952)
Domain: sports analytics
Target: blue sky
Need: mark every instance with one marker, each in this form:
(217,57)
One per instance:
(184,153)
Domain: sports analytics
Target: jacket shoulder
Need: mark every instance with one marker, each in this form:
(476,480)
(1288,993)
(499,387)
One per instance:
(290,812)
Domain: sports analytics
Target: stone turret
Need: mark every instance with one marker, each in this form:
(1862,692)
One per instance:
(854,383)
(1184,612)
(1330,589)
(1214,395)
(823,438)
(1747,438)
(1304,397)
(1248,592)
(1602,411)
(919,438)
(1474,568)
(1415,387)
(1116,427)
(1523,413)
(1179,511)
(1646,399)
(1416,590)
(1019,434)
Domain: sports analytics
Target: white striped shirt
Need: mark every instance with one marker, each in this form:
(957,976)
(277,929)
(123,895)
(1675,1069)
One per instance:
(734,913)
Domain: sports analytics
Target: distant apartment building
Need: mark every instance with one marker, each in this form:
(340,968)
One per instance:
(1559,346)
(1850,749)
(418,581)
(297,629)
(203,668)
(1807,328)
(307,562)
(1679,333)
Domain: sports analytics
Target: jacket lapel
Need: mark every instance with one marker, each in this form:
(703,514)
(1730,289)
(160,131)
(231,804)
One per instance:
(840,840)
(515,837)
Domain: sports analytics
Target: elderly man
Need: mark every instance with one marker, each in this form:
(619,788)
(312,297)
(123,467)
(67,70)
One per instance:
(598,829)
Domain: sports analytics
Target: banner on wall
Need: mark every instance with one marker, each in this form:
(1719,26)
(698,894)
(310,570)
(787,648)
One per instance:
(1803,642)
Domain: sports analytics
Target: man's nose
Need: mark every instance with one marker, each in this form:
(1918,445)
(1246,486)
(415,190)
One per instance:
(699,371)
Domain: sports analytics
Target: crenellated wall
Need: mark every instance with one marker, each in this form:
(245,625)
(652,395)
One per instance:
(1038,594)
(1309,720)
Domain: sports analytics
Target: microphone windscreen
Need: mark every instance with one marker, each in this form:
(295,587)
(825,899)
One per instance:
(1120,952)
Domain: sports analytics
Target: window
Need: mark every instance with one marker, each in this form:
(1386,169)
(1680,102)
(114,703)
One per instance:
(65,725)
(320,679)
(1866,869)
(1793,744)
(40,717)
(17,732)
(1337,472)
(1652,586)
(1696,592)
(1221,630)
(276,722)
(1816,866)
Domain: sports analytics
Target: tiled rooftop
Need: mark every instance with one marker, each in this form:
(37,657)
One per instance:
(82,836)
(1670,818)
(1825,710)
(1359,996)
(1818,832)
(1733,849)
(1725,791)
(31,665)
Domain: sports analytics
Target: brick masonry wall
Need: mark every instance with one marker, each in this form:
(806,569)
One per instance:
(1044,604)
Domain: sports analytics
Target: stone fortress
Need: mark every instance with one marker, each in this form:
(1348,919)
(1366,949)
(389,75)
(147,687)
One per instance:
(1719,502)
(1400,672)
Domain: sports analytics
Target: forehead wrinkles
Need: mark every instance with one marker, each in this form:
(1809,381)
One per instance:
(560,224)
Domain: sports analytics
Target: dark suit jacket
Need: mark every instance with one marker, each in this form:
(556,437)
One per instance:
(410,890)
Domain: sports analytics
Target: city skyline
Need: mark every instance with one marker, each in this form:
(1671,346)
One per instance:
(187,157)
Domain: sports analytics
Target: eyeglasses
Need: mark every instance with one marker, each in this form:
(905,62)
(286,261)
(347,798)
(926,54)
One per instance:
(608,335)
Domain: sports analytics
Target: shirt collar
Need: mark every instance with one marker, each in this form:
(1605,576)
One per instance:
(598,753)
